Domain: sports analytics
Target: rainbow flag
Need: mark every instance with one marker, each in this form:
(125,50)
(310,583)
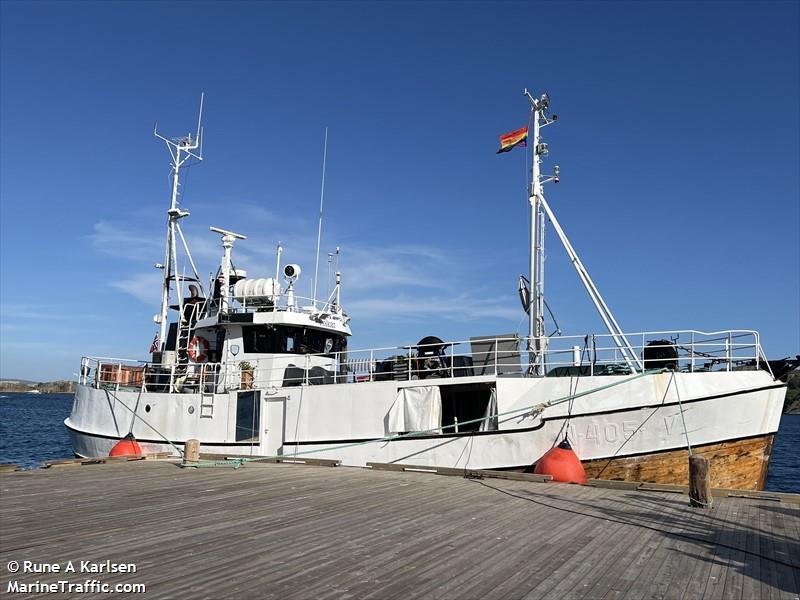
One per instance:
(518,137)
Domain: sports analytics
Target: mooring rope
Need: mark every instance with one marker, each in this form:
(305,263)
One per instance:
(685,435)
(532,411)
(680,407)
(136,416)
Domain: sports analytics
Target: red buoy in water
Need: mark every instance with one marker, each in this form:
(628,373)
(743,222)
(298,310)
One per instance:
(562,463)
(127,446)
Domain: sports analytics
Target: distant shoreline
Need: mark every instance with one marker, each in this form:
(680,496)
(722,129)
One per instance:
(792,404)
(45,387)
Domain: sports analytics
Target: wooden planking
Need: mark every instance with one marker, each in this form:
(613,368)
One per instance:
(286,531)
(467,473)
(301,460)
(740,464)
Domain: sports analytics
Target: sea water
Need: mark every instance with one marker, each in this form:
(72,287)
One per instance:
(32,431)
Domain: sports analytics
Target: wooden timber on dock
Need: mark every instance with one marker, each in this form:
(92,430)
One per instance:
(276,530)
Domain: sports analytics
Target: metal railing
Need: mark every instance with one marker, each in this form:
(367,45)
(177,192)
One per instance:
(280,303)
(124,374)
(687,351)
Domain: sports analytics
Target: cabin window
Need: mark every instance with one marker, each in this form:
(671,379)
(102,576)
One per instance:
(283,339)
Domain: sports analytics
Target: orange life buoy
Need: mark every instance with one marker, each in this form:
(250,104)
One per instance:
(198,349)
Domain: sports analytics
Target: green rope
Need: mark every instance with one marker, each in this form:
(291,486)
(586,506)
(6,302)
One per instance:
(537,408)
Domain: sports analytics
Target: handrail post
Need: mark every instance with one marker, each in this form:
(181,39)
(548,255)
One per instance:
(409,365)
(371,366)
(495,356)
(119,376)
(758,350)
(452,356)
(691,367)
(728,343)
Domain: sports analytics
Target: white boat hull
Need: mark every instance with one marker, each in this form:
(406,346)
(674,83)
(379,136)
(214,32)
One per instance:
(348,422)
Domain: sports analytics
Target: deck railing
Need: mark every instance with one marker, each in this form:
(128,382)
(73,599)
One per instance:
(280,303)
(687,351)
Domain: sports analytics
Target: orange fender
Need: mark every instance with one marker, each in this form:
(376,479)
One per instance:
(562,463)
(127,446)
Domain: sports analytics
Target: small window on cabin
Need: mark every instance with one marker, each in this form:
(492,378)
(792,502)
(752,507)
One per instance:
(290,344)
(263,339)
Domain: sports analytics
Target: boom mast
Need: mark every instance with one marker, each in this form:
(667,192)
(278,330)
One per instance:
(539,211)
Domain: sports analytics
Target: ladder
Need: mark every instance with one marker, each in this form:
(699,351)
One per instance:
(186,324)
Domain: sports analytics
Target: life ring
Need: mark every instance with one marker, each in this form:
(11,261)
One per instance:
(198,349)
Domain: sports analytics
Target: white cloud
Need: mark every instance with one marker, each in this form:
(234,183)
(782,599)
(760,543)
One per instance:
(394,283)
(39,312)
(142,286)
(459,308)
(124,242)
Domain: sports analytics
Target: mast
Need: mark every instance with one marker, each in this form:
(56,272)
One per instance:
(537,339)
(539,211)
(180,150)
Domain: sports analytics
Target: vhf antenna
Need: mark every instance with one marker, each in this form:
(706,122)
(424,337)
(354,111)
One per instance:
(319,228)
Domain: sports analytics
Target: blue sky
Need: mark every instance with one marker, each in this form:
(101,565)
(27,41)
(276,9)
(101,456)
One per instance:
(677,139)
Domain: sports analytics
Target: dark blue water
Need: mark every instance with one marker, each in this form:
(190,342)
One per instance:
(784,466)
(32,431)
(32,428)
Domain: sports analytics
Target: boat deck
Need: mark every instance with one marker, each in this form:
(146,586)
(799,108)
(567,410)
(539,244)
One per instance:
(291,531)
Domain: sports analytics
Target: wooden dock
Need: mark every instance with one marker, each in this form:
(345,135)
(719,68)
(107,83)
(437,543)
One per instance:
(298,531)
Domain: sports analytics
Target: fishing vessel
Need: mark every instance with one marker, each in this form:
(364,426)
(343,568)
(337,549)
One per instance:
(250,368)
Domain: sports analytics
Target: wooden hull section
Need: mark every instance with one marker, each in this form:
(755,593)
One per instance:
(739,464)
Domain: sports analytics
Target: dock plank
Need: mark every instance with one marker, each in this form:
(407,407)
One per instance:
(288,531)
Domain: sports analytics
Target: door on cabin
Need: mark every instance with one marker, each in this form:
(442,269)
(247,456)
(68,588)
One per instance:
(273,425)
